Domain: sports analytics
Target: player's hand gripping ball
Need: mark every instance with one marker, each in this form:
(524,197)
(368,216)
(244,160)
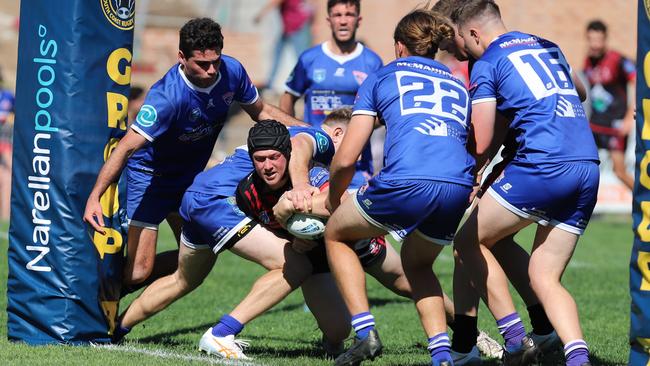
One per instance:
(306,226)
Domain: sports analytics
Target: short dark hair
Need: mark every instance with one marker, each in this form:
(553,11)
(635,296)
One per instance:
(340,115)
(447,7)
(332,3)
(475,8)
(135,92)
(200,34)
(597,25)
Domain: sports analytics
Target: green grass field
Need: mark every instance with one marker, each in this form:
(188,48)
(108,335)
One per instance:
(287,335)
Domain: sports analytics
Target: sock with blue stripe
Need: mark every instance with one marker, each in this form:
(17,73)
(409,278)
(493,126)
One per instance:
(513,331)
(439,347)
(576,352)
(363,323)
(227,325)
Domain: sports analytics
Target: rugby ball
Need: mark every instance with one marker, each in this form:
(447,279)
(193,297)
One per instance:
(304,226)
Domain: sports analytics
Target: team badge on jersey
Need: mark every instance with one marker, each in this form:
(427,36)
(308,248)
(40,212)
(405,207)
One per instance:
(227,98)
(195,114)
(359,76)
(147,116)
(319,75)
(322,142)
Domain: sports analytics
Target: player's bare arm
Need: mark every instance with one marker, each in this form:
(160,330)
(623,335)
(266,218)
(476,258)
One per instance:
(288,103)
(302,151)
(260,111)
(343,165)
(109,173)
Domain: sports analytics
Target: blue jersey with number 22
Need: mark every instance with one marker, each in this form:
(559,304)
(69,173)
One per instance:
(426,112)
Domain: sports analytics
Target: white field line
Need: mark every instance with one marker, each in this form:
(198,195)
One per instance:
(175,355)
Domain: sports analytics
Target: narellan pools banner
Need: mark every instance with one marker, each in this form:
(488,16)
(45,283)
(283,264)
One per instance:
(74,72)
(640,259)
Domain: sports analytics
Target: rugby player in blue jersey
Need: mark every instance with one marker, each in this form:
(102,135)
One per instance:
(421,193)
(170,142)
(214,223)
(328,76)
(552,179)
(512,257)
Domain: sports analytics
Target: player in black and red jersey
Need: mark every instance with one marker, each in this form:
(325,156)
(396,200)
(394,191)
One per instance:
(611,77)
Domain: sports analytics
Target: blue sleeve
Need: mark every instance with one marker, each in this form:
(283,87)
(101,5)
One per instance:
(298,81)
(483,82)
(318,177)
(365,101)
(246,92)
(628,68)
(156,115)
(323,144)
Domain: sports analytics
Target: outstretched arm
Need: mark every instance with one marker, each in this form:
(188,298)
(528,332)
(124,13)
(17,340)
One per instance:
(109,173)
(260,111)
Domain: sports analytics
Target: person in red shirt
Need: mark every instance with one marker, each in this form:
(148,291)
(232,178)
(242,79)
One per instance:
(297,16)
(611,77)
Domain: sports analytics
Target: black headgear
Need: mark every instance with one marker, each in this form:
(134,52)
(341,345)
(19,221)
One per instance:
(269,135)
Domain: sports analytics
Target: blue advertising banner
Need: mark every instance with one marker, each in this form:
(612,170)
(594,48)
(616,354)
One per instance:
(73,80)
(640,259)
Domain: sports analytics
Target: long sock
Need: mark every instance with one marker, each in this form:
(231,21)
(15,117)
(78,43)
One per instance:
(363,323)
(439,348)
(227,326)
(576,352)
(539,320)
(512,330)
(465,333)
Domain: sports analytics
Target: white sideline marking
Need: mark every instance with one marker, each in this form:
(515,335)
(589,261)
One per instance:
(174,355)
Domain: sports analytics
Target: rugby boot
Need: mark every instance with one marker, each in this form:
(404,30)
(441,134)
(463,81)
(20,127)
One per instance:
(548,343)
(526,354)
(472,358)
(224,347)
(361,349)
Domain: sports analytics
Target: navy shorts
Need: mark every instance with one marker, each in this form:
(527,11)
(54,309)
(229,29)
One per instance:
(213,222)
(561,195)
(150,199)
(400,207)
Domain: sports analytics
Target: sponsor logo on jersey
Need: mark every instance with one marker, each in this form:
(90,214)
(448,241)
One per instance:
(367,202)
(195,114)
(210,104)
(147,116)
(120,13)
(322,142)
(319,75)
(227,98)
(506,187)
(232,201)
(359,76)
(340,72)
(197,133)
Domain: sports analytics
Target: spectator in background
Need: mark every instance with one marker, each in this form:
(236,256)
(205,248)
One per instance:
(611,77)
(136,100)
(297,16)
(6,146)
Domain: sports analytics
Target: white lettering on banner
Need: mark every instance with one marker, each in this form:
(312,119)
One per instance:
(39,179)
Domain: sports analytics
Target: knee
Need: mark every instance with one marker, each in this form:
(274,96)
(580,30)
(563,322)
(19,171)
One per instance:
(541,283)
(138,274)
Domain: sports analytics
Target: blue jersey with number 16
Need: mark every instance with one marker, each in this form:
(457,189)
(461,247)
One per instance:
(530,80)
(425,110)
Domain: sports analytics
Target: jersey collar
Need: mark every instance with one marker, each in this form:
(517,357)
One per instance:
(341,59)
(206,90)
